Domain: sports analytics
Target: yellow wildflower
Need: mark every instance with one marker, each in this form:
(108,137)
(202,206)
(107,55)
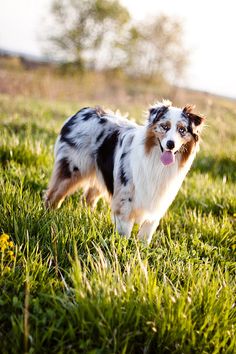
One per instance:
(7,250)
(4,237)
(11,244)
(3,246)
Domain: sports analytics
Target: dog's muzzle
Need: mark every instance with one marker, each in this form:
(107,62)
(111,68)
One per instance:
(162,150)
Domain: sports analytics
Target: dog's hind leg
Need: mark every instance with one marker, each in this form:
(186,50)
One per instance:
(91,196)
(63,182)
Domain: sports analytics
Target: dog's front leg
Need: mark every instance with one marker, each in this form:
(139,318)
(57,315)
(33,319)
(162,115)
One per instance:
(147,230)
(123,226)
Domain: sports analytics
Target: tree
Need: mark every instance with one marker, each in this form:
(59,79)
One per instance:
(86,29)
(156,48)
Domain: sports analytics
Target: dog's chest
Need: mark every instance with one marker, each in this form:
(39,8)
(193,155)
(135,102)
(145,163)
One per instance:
(156,186)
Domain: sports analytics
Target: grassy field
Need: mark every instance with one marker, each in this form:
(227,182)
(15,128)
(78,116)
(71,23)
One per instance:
(70,284)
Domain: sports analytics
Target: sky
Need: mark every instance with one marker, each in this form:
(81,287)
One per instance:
(209,27)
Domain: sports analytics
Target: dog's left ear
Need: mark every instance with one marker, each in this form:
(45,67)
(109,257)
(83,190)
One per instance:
(197,121)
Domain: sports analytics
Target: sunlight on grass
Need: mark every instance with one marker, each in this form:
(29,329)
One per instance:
(70,283)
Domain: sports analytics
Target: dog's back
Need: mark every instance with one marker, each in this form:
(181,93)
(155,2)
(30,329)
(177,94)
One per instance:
(84,152)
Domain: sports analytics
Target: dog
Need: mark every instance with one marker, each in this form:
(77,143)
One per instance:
(139,168)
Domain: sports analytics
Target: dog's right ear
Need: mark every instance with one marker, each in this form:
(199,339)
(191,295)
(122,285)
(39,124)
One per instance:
(156,113)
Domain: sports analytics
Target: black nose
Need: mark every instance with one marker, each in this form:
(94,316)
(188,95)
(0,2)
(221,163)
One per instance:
(170,144)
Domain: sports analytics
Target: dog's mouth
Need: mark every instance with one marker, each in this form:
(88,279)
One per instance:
(167,156)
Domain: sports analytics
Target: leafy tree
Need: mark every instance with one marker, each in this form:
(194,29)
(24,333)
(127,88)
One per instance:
(85,30)
(156,48)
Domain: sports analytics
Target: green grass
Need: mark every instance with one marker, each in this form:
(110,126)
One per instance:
(75,286)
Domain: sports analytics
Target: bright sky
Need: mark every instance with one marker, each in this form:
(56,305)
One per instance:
(210,29)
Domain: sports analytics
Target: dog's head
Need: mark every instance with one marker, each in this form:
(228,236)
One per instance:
(175,129)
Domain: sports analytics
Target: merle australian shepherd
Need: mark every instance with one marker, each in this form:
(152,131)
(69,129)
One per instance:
(139,168)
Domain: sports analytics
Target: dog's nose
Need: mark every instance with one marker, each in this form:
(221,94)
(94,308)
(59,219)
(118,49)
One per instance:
(170,144)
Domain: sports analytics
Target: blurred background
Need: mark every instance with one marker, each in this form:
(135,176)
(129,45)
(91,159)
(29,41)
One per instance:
(118,52)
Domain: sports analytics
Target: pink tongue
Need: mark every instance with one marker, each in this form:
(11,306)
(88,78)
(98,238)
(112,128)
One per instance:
(167,158)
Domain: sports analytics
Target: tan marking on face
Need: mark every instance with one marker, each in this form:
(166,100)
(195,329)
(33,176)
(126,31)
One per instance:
(150,140)
(186,151)
(188,137)
(154,133)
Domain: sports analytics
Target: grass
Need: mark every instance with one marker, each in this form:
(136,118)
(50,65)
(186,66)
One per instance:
(72,285)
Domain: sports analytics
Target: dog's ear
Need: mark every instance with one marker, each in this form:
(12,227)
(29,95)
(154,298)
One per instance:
(156,113)
(196,120)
